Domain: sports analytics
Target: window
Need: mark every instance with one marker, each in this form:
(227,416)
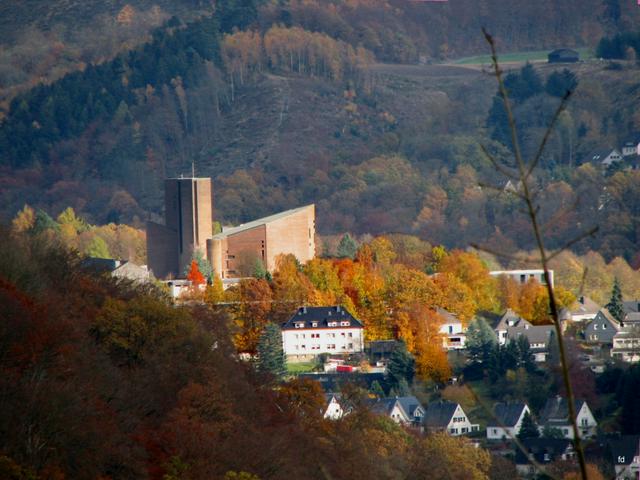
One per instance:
(332,324)
(344,324)
(604,326)
(495,431)
(314,324)
(343,334)
(453,430)
(595,326)
(299,325)
(350,335)
(350,346)
(464,430)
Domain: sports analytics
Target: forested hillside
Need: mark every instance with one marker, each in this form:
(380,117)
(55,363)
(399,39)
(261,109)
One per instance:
(285,103)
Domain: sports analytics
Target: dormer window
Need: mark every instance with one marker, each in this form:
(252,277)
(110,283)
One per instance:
(344,324)
(332,324)
(314,324)
(299,324)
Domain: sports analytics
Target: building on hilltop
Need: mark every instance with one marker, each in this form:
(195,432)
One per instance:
(188,213)
(236,251)
(563,55)
(315,330)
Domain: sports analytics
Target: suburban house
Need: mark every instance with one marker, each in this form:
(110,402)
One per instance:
(413,408)
(509,319)
(333,407)
(315,330)
(403,410)
(605,157)
(448,417)
(631,147)
(584,309)
(631,319)
(556,415)
(631,306)
(602,328)
(511,327)
(626,344)
(563,55)
(452,331)
(391,407)
(506,421)
(542,451)
(626,456)
(523,276)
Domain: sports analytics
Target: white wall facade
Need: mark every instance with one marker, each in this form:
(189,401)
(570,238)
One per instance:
(334,410)
(459,423)
(314,341)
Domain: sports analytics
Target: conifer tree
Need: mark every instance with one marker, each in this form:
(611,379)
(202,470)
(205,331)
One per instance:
(347,247)
(615,306)
(528,429)
(481,340)
(271,359)
(402,366)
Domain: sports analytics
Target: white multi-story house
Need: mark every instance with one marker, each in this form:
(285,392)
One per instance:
(448,417)
(452,331)
(626,344)
(315,330)
(507,421)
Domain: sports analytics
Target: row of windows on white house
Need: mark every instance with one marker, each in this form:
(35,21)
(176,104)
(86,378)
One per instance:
(327,335)
(331,346)
(329,324)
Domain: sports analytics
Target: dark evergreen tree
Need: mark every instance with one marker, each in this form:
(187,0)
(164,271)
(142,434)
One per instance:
(559,83)
(481,340)
(271,359)
(347,247)
(43,222)
(629,398)
(528,429)
(402,366)
(526,359)
(615,306)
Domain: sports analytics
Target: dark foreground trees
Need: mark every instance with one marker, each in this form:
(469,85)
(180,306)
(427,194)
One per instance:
(100,379)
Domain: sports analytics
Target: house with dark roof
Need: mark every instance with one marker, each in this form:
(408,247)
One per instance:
(391,407)
(564,55)
(448,417)
(541,451)
(625,453)
(509,319)
(605,157)
(555,415)
(315,330)
(412,406)
(602,328)
(506,421)
(511,327)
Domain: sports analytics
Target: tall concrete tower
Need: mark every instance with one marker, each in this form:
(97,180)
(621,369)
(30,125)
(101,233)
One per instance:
(188,209)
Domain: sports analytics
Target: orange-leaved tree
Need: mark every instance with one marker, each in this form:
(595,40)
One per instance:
(194,276)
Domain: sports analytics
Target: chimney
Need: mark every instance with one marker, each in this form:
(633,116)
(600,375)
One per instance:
(304,309)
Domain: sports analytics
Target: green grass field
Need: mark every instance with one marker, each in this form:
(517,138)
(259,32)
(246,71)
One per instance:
(302,367)
(532,56)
